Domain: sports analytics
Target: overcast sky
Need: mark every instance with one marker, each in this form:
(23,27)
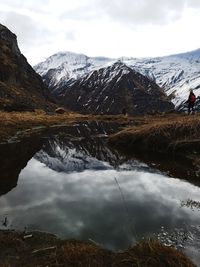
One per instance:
(112,28)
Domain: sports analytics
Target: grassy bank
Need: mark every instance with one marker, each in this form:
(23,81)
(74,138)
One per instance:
(172,133)
(30,122)
(161,133)
(40,249)
(12,122)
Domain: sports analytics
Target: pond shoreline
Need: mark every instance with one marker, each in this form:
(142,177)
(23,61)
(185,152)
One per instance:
(42,249)
(16,125)
(172,136)
(157,128)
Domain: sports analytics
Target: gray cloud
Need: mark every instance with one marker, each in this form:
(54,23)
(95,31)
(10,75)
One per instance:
(145,11)
(29,32)
(33,5)
(87,12)
(22,25)
(193,3)
(45,27)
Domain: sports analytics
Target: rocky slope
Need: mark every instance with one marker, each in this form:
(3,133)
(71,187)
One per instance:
(21,88)
(113,89)
(175,73)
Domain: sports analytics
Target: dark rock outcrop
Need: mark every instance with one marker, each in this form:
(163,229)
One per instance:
(21,88)
(112,90)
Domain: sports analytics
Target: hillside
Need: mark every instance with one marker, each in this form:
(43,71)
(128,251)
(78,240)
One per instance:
(21,88)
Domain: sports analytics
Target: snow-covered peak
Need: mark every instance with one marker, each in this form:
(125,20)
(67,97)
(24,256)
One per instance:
(120,65)
(192,56)
(61,59)
(112,90)
(105,75)
(175,73)
(64,66)
(74,61)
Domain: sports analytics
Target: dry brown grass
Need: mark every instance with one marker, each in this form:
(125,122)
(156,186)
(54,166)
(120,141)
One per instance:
(150,132)
(46,250)
(11,122)
(168,133)
(152,254)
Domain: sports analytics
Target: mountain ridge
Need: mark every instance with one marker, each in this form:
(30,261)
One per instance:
(111,89)
(175,73)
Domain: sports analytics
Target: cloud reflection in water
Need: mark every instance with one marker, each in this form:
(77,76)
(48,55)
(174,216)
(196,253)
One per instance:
(88,204)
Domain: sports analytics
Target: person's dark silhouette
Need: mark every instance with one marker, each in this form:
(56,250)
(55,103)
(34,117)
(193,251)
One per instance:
(191,100)
(124,112)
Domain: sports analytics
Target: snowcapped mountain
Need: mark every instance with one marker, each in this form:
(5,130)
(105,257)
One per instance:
(111,89)
(175,73)
(62,67)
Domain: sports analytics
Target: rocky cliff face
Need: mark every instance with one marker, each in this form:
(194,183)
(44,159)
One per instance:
(20,87)
(113,89)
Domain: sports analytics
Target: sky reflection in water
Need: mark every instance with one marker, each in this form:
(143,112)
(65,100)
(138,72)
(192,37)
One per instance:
(88,204)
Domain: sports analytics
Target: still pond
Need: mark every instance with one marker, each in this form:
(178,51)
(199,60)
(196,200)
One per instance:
(71,183)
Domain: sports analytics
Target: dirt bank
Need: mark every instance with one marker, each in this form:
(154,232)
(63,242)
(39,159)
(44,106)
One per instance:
(41,249)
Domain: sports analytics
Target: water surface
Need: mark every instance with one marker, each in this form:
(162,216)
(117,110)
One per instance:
(71,183)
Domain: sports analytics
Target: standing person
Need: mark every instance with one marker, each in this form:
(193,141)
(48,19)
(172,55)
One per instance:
(191,101)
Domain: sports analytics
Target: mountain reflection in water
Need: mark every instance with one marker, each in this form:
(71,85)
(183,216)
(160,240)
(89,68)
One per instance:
(80,147)
(69,188)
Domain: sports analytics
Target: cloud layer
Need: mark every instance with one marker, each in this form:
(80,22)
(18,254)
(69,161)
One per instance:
(143,11)
(100,27)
